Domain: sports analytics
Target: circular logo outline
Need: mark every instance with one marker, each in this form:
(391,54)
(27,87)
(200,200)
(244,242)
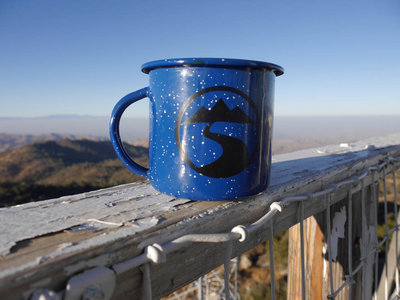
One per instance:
(196,96)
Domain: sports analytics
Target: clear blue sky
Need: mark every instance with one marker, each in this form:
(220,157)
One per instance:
(80,57)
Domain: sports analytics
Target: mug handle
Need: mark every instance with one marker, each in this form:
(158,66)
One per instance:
(116,114)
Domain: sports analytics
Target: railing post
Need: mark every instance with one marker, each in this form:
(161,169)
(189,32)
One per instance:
(313,260)
(326,262)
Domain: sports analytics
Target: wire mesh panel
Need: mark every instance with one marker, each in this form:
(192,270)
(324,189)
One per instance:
(348,251)
(211,286)
(352,267)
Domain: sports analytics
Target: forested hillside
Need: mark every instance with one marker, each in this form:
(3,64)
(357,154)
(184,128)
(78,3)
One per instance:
(51,169)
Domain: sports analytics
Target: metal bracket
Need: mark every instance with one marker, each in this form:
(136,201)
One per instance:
(94,284)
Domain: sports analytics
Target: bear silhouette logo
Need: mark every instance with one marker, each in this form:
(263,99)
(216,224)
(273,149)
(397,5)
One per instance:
(217,132)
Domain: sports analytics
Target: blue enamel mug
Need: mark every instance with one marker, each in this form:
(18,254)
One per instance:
(210,127)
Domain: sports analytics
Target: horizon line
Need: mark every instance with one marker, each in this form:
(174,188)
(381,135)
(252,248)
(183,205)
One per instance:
(75,116)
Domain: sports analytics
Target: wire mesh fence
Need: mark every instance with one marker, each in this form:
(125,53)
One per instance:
(211,286)
(359,248)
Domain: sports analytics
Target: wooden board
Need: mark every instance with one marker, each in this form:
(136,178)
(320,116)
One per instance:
(43,244)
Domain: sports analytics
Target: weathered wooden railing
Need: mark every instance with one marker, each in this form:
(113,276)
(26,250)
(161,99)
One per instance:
(131,241)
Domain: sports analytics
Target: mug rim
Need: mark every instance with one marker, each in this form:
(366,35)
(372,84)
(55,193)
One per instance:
(229,63)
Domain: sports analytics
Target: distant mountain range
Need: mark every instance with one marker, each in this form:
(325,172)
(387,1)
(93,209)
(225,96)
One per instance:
(44,170)
(50,117)
(135,129)
(12,141)
(132,129)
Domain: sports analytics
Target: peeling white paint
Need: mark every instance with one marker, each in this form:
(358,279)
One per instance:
(338,231)
(84,212)
(86,244)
